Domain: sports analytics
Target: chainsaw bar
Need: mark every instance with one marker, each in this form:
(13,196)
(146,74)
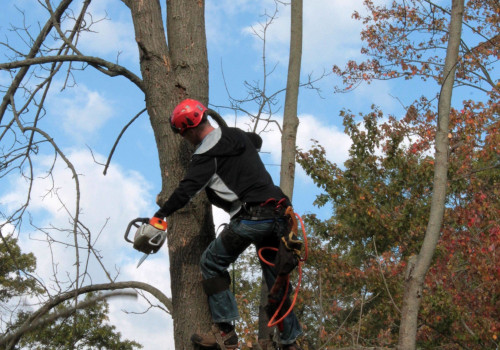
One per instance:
(144,257)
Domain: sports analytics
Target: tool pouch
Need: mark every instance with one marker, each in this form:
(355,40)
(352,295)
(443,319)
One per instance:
(288,255)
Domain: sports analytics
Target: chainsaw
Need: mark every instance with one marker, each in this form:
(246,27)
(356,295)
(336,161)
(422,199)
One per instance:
(149,237)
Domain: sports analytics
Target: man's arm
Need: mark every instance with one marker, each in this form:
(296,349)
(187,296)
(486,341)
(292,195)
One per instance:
(200,171)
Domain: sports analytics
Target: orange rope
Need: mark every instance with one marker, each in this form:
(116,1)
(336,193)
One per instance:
(273,321)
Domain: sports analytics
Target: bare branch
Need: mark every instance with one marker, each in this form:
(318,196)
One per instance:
(33,52)
(75,177)
(118,139)
(112,69)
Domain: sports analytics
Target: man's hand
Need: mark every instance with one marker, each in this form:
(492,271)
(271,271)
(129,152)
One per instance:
(160,215)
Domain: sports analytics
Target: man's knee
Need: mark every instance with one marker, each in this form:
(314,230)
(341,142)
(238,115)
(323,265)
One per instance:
(217,284)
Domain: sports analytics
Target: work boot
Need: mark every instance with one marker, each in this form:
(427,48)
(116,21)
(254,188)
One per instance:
(293,346)
(209,340)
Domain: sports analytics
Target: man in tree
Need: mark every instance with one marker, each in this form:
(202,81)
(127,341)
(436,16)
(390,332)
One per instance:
(226,164)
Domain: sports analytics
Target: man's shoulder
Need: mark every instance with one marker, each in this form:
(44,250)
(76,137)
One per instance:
(209,141)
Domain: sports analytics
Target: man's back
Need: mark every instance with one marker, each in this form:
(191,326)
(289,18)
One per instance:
(239,174)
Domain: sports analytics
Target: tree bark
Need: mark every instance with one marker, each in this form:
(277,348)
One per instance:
(170,74)
(417,271)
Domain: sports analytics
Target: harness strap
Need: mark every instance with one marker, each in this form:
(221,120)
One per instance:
(218,337)
(269,209)
(291,241)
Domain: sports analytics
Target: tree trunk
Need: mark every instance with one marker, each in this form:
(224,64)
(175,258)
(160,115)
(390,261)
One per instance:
(172,73)
(290,120)
(289,136)
(417,271)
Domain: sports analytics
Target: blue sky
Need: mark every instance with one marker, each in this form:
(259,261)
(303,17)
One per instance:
(91,114)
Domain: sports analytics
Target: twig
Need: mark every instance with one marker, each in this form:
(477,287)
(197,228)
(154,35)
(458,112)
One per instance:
(118,139)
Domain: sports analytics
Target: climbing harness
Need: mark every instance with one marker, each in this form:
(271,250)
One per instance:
(288,257)
(218,337)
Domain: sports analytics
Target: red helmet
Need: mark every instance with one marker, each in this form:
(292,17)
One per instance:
(187,114)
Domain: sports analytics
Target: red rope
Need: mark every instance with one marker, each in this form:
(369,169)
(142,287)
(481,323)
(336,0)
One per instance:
(273,321)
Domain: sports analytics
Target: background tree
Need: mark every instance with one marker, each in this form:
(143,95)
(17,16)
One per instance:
(417,269)
(381,197)
(15,270)
(393,45)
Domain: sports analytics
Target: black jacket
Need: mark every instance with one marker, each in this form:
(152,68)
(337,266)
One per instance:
(226,164)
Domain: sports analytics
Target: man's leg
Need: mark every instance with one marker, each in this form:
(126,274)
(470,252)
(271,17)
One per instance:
(214,263)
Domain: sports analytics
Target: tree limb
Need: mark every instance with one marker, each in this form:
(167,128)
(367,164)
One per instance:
(63,313)
(118,139)
(112,68)
(49,305)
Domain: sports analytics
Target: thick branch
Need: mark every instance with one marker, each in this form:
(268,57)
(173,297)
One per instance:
(113,69)
(18,333)
(84,290)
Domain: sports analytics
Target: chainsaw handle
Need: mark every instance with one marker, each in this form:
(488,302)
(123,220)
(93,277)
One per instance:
(136,223)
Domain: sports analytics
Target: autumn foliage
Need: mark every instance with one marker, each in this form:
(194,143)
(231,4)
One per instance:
(381,196)
(380,199)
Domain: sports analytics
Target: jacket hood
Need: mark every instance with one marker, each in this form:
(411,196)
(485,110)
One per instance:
(223,142)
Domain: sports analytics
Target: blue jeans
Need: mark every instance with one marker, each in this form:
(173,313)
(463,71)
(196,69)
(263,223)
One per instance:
(216,259)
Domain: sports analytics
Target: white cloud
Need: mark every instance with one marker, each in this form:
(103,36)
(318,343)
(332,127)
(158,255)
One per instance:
(113,35)
(227,19)
(111,200)
(330,35)
(107,203)
(379,93)
(335,142)
(154,270)
(81,111)
(154,329)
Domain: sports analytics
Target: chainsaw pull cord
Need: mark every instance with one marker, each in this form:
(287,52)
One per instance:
(273,321)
